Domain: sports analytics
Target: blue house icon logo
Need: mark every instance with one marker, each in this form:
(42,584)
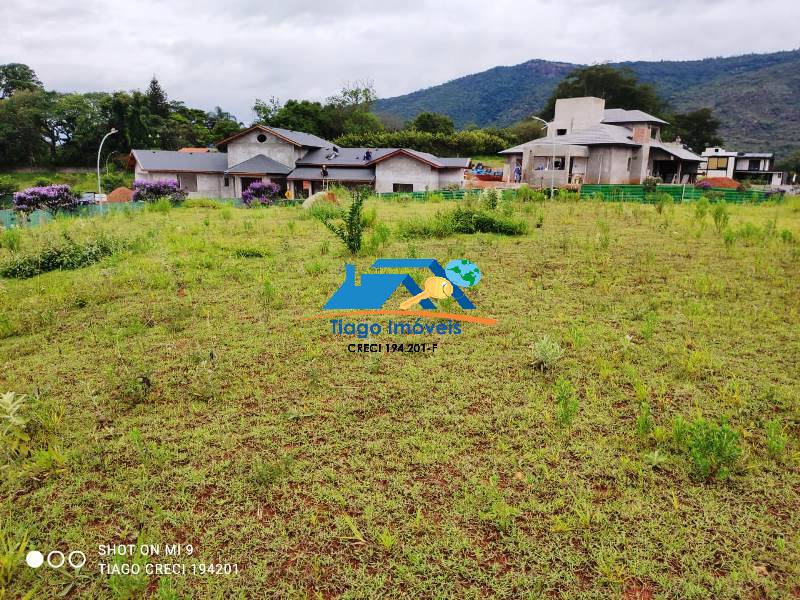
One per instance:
(375,289)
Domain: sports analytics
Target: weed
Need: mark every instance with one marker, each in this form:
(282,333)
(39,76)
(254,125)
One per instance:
(776,439)
(490,198)
(378,239)
(202,203)
(701,209)
(266,474)
(787,237)
(162,205)
(12,555)
(227,214)
(64,256)
(644,421)
(713,448)
(487,500)
(11,238)
(649,326)
(351,230)
(655,458)
(386,539)
(269,294)
(250,252)
(546,353)
(566,402)
(14,436)
(721,216)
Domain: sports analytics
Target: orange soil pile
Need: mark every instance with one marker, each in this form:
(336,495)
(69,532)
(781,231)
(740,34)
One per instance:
(121,194)
(720,182)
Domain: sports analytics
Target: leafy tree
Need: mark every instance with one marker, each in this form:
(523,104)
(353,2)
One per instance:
(20,129)
(157,101)
(301,115)
(790,163)
(525,130)
(16,77)
(619,87)
(266,110)
(348,107)
(432,123)
(697,129)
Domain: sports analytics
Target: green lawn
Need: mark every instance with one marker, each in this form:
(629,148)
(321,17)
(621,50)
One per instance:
(177,394)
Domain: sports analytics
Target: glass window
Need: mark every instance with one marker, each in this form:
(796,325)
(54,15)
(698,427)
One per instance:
(717,162)
(561,132)
(754,164)
(403,188)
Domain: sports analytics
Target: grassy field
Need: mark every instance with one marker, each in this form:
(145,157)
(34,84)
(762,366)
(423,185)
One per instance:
(175,393)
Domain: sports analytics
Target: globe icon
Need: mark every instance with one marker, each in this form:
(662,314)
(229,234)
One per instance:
(462,272)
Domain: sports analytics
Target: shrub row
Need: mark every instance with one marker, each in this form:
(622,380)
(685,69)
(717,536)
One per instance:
(66,255)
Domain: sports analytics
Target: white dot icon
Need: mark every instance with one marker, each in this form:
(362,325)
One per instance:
(34,559)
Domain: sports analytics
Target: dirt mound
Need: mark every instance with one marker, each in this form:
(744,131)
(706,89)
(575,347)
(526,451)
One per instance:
(121,194)
(718,182)
(326,196)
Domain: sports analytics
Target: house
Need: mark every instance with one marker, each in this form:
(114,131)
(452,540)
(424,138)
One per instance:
(589,143)
(757,167)
(300,163)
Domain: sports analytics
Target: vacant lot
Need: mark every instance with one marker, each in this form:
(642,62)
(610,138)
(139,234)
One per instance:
(176,394)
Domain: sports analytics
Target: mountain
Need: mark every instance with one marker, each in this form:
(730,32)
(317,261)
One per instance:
(756,96)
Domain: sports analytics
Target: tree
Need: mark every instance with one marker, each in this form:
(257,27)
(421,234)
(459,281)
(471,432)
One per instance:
(697,129)
(301,115)
(618,86)
(525,131)
(20,129)
(157,101)
(17,77)
(790,163)
(266,110)
(432,123)
(348,107)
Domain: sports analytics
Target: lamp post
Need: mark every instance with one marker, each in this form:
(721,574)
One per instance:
(553,152)
(99,150)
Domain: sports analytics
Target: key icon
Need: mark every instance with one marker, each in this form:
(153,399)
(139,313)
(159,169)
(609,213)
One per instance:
(434,287)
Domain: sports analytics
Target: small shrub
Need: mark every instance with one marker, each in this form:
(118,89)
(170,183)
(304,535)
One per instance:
(11,239)
(161,205)
(490,197)
(527,194)
(153,191)
(323,210)
(67,255)
(378,239)
(644,421)
(55,198)
(776,438)
(701,209)
(369,217)
(260,193)
(351,230)
(112,180)
(227,214)
(720,215)
(663,201)
(546,353)
(650,184)
(713,449)
(14,437)
(787,237)
(566,402)
(203,203)
(250,252)
(266,474)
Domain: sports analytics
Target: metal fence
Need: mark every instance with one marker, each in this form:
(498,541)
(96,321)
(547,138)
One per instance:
(39,217)
(679,193)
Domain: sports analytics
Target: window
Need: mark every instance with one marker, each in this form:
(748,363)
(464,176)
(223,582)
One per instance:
(261,138)
(653,132)
(717,162)
(558,163)
(226,182)
(403,188)
(629,164)
(753,164)
(188,181)
(561,132)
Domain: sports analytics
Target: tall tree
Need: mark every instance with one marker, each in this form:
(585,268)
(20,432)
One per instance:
(618,86)
(266,110)
(698,129)
(16,77)
(157,101)
(20,129)
(432,123)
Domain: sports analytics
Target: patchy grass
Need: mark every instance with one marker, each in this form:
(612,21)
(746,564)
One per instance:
(177,395)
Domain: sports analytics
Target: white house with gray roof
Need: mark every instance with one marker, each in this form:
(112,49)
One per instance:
(299,162)
(756,167)
(588,143)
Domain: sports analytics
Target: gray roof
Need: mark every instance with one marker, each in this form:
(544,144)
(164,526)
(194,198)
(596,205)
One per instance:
(364,174)
(167,160)
(621,115)
(756,154)
(602,134)
(677,151)
(302,138)
(354,157)
(260,164)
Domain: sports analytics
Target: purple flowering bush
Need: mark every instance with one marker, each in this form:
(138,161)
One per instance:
(151,191)
(54,198)
(262,193)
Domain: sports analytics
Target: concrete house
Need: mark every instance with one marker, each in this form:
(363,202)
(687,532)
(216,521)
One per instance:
(758,167)
(298,162)
(589,143)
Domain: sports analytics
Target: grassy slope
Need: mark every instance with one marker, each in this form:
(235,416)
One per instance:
(391,474)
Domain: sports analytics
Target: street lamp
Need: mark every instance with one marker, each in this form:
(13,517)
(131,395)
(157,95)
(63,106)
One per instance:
(553,158)
(99,150)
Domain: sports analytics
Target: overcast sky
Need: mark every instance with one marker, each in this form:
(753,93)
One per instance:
(229,52)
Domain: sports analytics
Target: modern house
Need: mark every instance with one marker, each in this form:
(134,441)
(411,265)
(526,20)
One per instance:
(589,143)
(298,162)
(757,167)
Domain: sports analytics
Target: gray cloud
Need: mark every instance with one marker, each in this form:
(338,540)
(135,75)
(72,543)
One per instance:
(228,53)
